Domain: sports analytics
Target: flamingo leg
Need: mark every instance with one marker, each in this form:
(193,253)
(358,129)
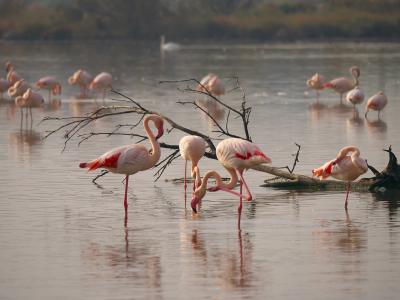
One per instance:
(341,99)
(22,117)
(49,95)
(249,195)
(126,200)
(184,182)
(30,113)
(240,205)
(317,95)
(347,195)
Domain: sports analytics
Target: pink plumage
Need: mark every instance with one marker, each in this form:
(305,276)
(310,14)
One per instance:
(342,85)
(376,102)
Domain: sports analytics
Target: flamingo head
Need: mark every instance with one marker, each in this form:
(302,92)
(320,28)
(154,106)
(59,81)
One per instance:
(198,195)
(159,123)
(325,170)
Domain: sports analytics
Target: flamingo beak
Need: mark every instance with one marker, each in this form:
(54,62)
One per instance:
(193,204)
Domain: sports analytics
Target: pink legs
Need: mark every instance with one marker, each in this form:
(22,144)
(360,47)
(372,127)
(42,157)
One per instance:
(126,200)
(240,205)
(249,195)
(184,182)
(347,194)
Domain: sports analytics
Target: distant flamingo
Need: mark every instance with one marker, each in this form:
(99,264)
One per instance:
(212,84)
(12,75)
(355,96)
(170,46)
(18,88)
(4,85)
(51,84)
(83,79)
(343,167)
(316,82)
(30,99)
(376,102)
(236,155)
(102,82)
(191,147)
(131,159)
(342,85)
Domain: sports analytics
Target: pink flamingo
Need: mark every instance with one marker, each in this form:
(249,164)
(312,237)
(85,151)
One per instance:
(18,88)
(344,167)
(191,147)
(12,75)
(30,99)
(102,82)
(131,159)
(4,85)
(355,96)
(236,155)
(316,82)
(212,84)
(376,102)
(342,85)
(83,79)
(51,84)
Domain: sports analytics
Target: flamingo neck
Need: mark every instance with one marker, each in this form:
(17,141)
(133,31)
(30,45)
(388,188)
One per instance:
(155,146)
(355,73)
(214,174)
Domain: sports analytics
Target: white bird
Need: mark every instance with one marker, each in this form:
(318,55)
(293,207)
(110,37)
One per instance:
(170,46)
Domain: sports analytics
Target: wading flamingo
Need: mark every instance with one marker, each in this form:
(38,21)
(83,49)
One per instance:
(344,167)
(131,159)
(51,84)
(4,85)
(236,155)
(212,84)
(355,96)
(376,102)
(30,99)
(191,147)
(102,82)
(12,75)
(83,79)
(18,88)
(342,85)
(316,82)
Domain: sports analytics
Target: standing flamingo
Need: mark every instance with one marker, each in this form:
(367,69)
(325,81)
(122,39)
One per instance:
(316,82)
(83,79)
(18,88)
(102,82)
(376,102)
(342,85)
(212,84)
(51,84)
(191,147)
(355,96)
(131,159)
(30,99)
(12,75)
(344,167)
(236,155)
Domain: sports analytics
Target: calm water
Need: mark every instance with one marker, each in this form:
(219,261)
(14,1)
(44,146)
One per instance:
(62,237)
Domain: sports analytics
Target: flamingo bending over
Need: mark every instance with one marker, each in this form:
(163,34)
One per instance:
(131,159)
(102,82)
(83,79)
(12,75)
(192,147)
(376,102)
(51,84)
(316,82)
(355,96)
(18,88)
(342,85)
(212,84)
(236,155)
(344,167)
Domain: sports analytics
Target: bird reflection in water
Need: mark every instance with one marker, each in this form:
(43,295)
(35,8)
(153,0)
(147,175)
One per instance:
(376,126)
(25,139)
(355,120)
(211,110)
(53,105)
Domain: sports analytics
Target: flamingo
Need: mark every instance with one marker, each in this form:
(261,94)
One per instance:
(355,96)
(51,84)
(12,75)
(83,79)
(191,147)
(102,82)
(170,46)
(131,159)
(344,167)
(212,84)
(342,85)
(30,99)
(236,155)
(376,102)
(316,82)
(4,85)
(18,88)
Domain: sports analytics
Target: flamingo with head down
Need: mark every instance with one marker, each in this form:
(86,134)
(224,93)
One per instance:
(212,84)
(102,82)
(342,85)
(83,79)
(192,147)
(131,159)
(344,167)
(18,88)
(51,84)
(376,102)
(12,75)
(316,82)
(236,155)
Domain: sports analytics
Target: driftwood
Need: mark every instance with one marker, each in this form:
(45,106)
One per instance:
(388,179)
